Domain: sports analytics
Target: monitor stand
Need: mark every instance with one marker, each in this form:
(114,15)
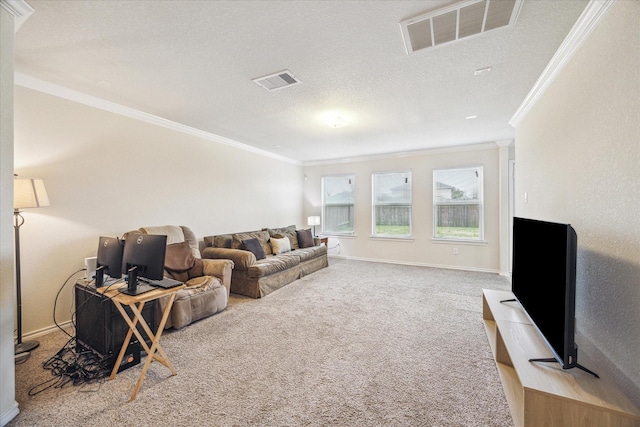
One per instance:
(99,277)
(135,287)
(553,359)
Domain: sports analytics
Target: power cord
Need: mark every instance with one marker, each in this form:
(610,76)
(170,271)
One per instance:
(74,363)
(55,302)
(336,246)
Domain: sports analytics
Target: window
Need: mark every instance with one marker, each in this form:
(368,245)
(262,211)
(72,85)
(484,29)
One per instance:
(391,204)
(458,204)
(337,204)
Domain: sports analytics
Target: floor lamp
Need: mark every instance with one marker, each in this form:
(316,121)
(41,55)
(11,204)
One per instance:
(27,193)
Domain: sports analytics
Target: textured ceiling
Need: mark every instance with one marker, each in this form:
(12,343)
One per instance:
(192,62)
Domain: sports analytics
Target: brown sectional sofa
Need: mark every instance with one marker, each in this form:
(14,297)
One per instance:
(259,277)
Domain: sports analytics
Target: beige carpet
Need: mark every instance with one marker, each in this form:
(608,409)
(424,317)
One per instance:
(355,344)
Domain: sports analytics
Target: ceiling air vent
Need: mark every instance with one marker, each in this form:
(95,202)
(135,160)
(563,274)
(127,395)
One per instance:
(277,80)
(456,22)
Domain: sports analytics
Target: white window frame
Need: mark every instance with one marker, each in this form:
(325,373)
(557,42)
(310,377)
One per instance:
(351,181)
(479,201)
(375,204)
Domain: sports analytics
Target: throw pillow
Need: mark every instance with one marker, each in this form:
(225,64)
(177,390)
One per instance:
(289,231)
(262,236)
(179,257)
(253,245)
(305,239)
(281,245)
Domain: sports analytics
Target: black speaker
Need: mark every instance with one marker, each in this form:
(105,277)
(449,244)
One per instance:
(101,328)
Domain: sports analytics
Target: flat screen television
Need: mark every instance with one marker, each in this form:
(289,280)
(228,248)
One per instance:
(143,256)
(544,283)
(109,259)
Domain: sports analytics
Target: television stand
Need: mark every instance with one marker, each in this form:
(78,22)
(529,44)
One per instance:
(550,359)
(545,395)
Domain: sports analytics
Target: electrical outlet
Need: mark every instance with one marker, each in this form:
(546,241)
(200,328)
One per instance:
(455,251)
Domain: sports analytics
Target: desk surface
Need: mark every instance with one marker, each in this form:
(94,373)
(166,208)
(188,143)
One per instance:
(114,293)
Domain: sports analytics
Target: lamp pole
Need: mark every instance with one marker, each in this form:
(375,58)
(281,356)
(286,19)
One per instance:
(27,193)
(22,349)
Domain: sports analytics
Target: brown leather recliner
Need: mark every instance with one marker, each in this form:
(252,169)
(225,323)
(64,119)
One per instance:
(208,281)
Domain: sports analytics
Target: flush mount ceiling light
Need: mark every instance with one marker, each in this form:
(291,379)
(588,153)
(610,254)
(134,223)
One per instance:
(456,22)
(277,80)
(336,122)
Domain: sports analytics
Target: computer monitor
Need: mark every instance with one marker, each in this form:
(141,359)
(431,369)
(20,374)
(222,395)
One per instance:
(143,256)
(109,260)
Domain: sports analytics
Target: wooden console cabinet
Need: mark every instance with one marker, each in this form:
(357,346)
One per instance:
(543,394)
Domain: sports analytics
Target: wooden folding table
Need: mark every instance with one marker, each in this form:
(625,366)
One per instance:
(136,303)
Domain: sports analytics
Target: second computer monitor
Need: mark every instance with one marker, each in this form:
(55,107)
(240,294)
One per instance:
(143,256)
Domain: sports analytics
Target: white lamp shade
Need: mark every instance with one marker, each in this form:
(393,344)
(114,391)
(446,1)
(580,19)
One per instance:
(313,220)
(29,193)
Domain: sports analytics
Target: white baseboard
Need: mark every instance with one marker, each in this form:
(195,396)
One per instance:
(418,264)
(10,414)
(45,331)
(506,274)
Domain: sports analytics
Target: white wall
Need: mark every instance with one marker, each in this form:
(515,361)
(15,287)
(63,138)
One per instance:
(107,174)
(578,158)
(421,250)
(8,405)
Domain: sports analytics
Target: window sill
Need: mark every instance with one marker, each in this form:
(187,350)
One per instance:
(337,235)
(459,241)
(393,239)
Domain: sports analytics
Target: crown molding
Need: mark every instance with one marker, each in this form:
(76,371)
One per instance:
(429,151)
(20,9)
(585,24)
(53,89)
(504,142)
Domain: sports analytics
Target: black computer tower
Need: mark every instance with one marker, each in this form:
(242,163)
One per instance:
(101,328)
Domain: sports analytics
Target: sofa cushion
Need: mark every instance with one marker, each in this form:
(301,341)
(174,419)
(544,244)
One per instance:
(280,246)
(220,241)
(194,303)
(175,234)
(272,264)
(190,237)
(253,246)
(184,275)
(179,257)
(241,259)
(262,236)
(289,231)
(306,254)
(305,239)
(198,285)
